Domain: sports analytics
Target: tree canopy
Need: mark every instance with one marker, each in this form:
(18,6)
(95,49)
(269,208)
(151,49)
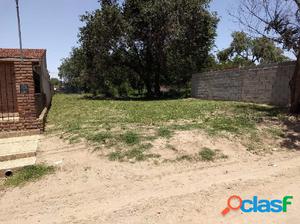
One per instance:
(277,20)
(141,45)
(245,50)
(72,69)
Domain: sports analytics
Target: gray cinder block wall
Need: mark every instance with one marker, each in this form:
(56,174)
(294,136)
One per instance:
(267,84)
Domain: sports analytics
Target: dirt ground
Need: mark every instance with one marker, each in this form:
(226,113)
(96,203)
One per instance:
(88,188)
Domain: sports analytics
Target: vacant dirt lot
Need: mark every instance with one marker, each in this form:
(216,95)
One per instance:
(88,188)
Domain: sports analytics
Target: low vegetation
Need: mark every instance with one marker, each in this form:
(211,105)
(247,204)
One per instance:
(130,124)
(138,153)
(164,132)
(79,115)
(131,138)
(205,154)
(28,174)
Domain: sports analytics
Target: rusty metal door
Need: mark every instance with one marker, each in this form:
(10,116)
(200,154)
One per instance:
(8,100)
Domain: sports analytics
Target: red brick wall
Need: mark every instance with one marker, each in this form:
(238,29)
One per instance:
(25,102)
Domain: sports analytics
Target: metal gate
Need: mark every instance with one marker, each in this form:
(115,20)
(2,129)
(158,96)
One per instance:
(8,100)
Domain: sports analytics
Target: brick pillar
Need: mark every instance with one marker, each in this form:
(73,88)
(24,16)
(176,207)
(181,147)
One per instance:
(25,101)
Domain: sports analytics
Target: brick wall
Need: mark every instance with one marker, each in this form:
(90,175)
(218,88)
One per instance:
(26,102)
(267,84)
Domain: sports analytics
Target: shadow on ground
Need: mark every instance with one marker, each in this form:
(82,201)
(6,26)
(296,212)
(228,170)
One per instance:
(292,134)
(138,98)
(292,123)
(268,111)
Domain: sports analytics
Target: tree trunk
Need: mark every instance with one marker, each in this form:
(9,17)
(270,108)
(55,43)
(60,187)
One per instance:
(157,85)
(295,88)
(148,85)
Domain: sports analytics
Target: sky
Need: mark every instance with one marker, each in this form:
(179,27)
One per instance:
(54,25)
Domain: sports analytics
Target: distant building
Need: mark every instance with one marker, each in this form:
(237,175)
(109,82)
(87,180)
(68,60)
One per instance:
(25,90)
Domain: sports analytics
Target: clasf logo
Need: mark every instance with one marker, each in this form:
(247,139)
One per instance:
(255,205)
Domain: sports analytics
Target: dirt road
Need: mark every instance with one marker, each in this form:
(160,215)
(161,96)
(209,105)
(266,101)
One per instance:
(91,189)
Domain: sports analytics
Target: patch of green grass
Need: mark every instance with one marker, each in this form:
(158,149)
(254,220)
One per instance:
(146,146)
(116,156)
(74,139)
(276,132)
(93,119)
(131,138)
(28,174)
(99,137)
(254,137)
(150,138)
(207,154)
(235,125)
(164,132)
(74,112)
(254,142)
(72,127)
(137,154)
(185,158)
(187,127)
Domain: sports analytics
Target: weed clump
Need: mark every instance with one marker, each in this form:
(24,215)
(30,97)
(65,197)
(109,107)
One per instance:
(131,138)
(207,154)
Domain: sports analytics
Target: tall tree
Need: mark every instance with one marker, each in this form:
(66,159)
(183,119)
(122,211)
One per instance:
(153,42)
(279,20)
(170,38)
(102,42)
(71,70)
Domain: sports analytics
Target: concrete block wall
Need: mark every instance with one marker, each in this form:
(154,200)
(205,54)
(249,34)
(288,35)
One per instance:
(268,84)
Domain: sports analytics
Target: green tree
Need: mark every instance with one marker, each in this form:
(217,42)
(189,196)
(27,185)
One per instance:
(72,70)
(245,50)
(146,43)
(278,20)
(103,43)
(55,82)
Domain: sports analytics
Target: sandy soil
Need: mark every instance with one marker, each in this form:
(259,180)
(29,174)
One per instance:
(88,188)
